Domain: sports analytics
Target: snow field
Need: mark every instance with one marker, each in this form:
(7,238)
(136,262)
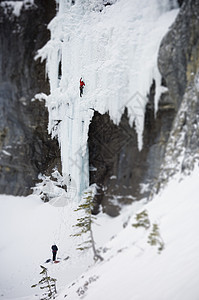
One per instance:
(28,229)
(134,270)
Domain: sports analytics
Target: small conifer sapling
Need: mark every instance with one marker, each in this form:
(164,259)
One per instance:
(85,225)
(48,283)
(155,239)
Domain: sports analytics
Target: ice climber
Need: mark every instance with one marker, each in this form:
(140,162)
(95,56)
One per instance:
(54,250)
(81,87)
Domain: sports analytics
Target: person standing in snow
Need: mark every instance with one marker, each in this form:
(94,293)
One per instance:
(54,250)
(81,87)
(69,178)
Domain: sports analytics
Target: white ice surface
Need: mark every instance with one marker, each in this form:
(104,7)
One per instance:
(115,51)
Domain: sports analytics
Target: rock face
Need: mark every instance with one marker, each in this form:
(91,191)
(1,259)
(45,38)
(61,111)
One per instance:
(25,147)
(182,151)
(179,51)
(180,2)
(123,173)
(181,44)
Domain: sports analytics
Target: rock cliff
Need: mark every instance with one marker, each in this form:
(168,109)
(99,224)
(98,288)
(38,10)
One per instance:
(25,147)
(179,65)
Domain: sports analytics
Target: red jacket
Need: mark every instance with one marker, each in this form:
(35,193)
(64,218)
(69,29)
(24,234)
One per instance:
(81,83)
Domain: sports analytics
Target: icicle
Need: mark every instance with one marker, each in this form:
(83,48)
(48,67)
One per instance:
(115,51)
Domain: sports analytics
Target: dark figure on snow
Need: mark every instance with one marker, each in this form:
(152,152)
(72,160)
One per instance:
(69,178)
(54,250)
(81,87)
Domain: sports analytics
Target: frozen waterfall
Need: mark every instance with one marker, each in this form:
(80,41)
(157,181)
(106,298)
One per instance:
(114,48)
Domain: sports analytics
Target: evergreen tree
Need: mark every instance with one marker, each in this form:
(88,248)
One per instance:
(47,283)
(142,220)
(155,239)
(85,225)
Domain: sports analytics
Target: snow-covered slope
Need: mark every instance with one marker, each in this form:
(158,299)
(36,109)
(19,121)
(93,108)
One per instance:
(115,51)
(28,228)
(132,268)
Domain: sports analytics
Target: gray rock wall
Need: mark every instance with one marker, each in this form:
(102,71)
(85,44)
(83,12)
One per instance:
(179,64)
(179,51)
(25,147)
